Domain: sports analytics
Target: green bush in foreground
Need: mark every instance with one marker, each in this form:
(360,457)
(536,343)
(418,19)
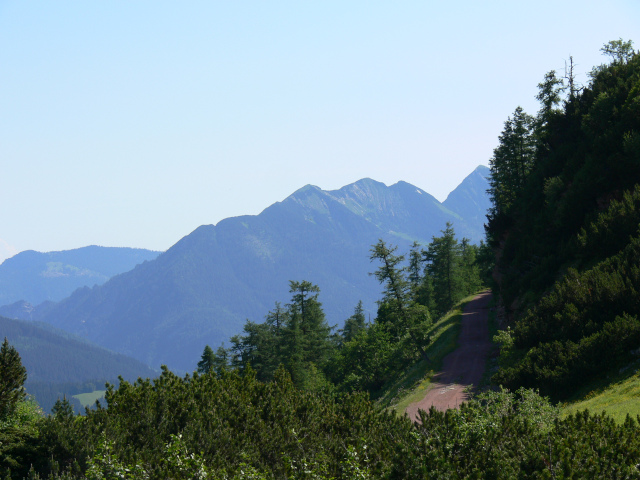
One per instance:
(235,426)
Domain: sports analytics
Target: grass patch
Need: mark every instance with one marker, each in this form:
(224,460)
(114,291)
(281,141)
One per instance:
(411,384)
(89,398)
(617,398)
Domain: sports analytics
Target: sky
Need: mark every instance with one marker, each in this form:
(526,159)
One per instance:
(130,124)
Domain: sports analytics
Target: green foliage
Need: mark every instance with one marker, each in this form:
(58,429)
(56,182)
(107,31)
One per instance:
(549,96)
(207,360)
(297,337)
(619,50)
(568,242)
(504,435)
(234,426)
(175,427)
(513,159)
(403,330)
(354,324)
(19,434)
(12,378)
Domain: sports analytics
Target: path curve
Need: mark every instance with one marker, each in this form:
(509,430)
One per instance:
(465,365)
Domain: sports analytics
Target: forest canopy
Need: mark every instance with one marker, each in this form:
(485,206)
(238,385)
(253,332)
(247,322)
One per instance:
(565,227)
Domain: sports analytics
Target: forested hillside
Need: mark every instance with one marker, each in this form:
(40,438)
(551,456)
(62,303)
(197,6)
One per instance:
(565,225)
(60,364)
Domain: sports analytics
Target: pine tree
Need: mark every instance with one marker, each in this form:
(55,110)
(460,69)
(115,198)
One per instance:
(12,378)
(306,311)
(444,257)
(511,162)
(221,360)
(397,288)
(354,324)
(470,270)
(405,319)
(207,360)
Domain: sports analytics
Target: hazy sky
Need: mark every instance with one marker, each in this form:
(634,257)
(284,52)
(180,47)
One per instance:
(132,123)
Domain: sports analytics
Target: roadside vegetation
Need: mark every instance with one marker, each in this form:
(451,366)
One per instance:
(565,228)
(412,383)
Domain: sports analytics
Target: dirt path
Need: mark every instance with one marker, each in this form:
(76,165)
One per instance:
(465,365)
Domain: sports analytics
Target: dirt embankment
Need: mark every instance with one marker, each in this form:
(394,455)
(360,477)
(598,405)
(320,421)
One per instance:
(464,366)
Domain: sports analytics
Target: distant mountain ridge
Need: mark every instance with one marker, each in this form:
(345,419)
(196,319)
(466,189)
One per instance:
(35,277)
(470,199)
(202,289)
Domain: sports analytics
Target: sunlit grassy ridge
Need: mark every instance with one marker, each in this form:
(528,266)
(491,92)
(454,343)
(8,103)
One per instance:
(618,399)
(89,398)
(411,384)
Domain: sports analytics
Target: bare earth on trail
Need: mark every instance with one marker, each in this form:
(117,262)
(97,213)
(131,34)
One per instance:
(464,366)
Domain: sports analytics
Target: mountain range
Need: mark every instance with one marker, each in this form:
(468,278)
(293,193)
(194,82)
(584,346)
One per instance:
(34,277)
(202,289)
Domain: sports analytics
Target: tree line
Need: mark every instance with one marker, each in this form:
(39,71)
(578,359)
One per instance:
(363,354)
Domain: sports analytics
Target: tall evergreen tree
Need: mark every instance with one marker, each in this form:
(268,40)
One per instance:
(207,360)
(444,257)
(354,324)
(512,161)
(549,95)
(391,274)
(470,270)
(306,312)
(256,346)
(398,312)
(12,378)
(221,360)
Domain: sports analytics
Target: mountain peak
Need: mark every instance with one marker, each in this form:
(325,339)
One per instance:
(470,199)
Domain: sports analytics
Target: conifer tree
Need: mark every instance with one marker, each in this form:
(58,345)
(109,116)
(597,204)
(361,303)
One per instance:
(221,360)
(398,312)
(392,275)
(207,360)
(354,324)
(306,314)
(12,378)
(443,257)
(511,162)
(470,270)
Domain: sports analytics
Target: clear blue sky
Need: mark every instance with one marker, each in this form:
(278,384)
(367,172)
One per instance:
(132,123)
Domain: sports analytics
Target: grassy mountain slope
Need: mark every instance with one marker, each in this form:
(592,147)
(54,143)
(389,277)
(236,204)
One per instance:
(36,277)
(203,289)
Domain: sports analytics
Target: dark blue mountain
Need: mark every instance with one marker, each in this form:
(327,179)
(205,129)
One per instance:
(470,199)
